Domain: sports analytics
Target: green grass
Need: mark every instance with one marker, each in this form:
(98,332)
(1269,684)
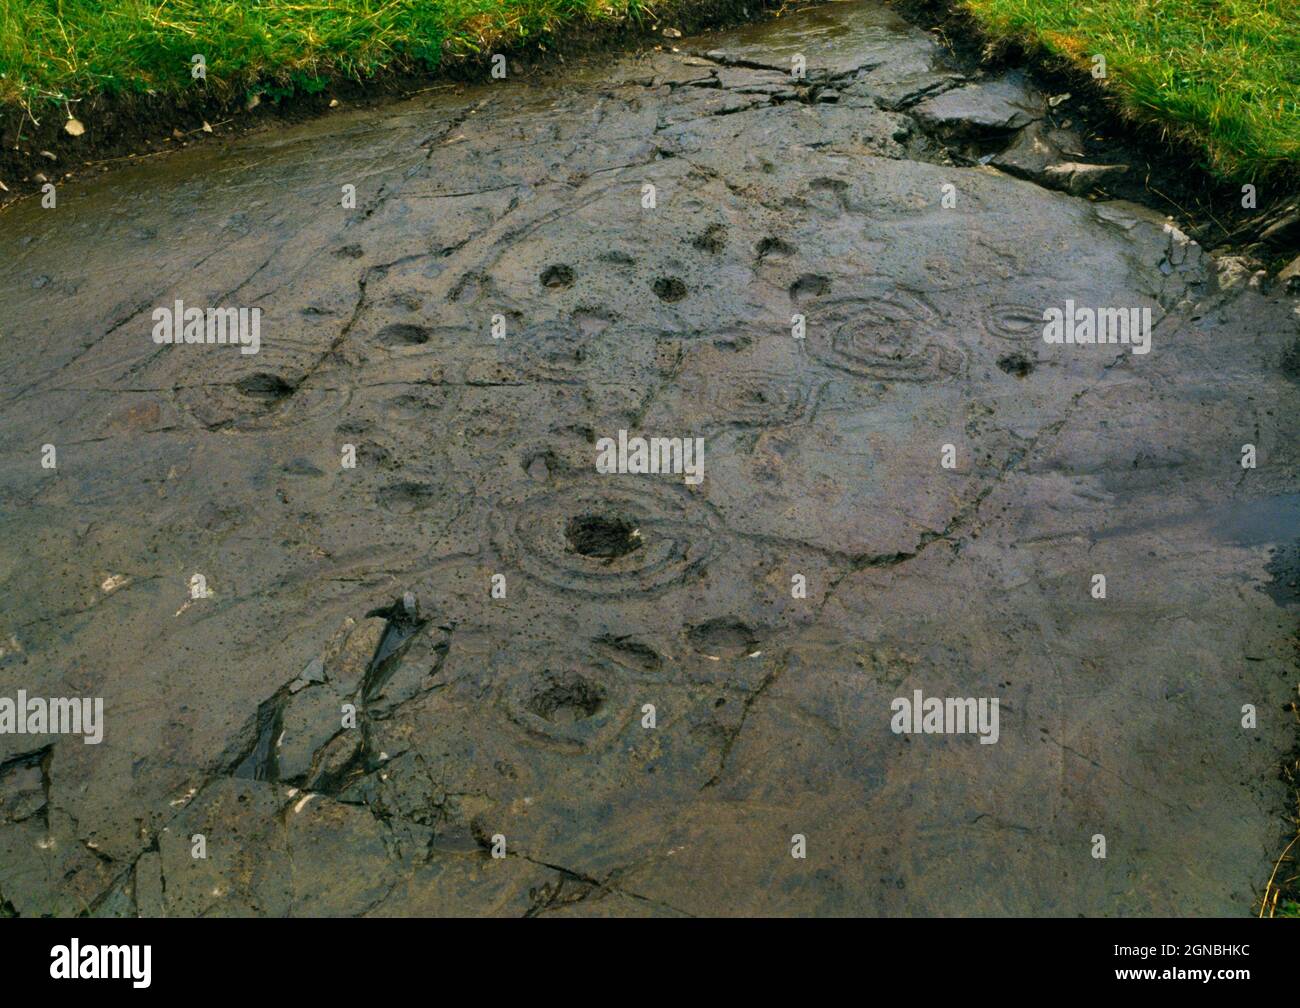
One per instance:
(1223,74)
(55,50)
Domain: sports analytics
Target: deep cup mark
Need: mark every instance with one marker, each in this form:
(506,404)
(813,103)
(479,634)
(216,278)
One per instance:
(264,387)
(565,698)
(1018,364)
(574,703)
(771,247)
(809,286)
(605,537)
(261,401)
(669,289)
(557,277)
(723,637)
(403,334)
(608,541)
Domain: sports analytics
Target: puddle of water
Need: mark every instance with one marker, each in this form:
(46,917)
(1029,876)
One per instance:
(834,36)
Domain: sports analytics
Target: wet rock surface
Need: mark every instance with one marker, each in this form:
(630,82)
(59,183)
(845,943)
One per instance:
(523,716)
(994,107)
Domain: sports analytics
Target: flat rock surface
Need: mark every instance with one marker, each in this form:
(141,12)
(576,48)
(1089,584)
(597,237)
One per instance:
(993,106)
(523,717)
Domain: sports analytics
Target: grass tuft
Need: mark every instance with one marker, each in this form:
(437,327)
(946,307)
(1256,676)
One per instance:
(1223,74)
(57,51)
